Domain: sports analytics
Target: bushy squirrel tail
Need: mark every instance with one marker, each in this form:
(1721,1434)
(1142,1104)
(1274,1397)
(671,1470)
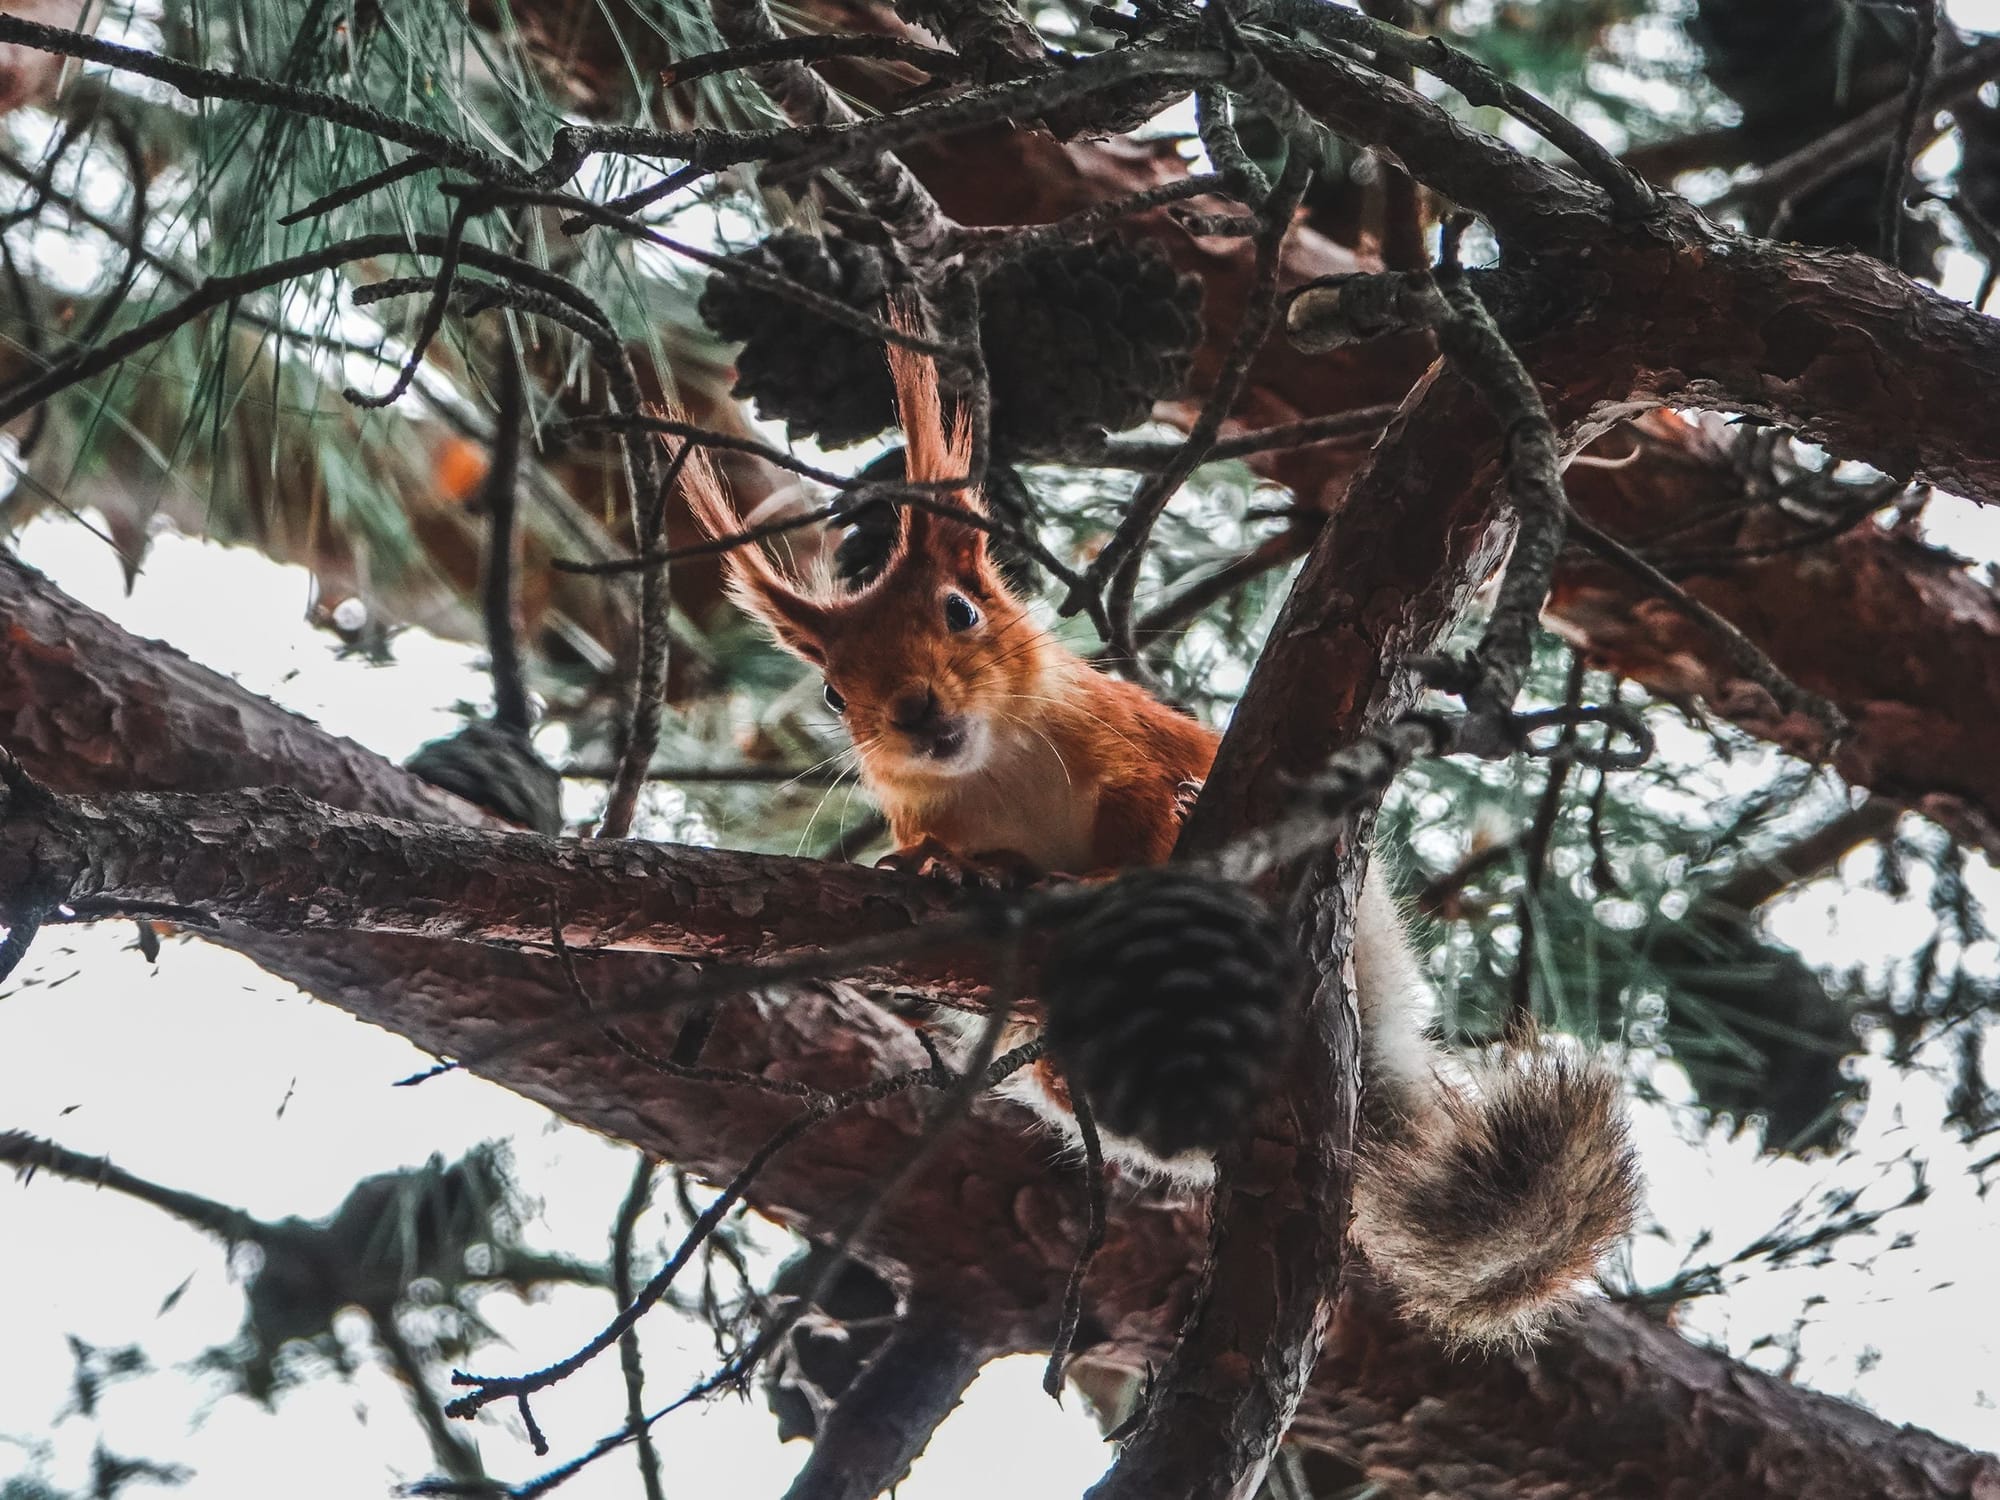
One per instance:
(1484,1206)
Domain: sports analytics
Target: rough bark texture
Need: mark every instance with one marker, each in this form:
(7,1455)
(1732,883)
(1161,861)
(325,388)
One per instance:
(1902,635)
(1617,1406)
(273,859)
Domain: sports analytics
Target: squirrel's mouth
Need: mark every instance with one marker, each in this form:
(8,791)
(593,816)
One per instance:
(946,742)
(951,747)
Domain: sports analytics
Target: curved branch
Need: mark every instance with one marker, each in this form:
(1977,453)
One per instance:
(886,1418)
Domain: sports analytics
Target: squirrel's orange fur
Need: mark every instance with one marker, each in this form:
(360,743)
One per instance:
(1483,1208)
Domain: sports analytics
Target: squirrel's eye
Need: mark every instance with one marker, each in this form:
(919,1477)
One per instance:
(834,701)
(959,613)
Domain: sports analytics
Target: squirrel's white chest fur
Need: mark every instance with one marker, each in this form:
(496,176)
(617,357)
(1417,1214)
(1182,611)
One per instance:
(1026,798)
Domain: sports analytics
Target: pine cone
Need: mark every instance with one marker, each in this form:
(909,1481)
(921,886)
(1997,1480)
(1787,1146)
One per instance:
(1167,1004)
(1078,340)
(824,381)
(496,769)
(1083,339)
(871,529)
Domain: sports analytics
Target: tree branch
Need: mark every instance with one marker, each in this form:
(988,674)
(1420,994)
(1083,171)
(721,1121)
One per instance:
(275,860)
(988,1224)
(885,1419)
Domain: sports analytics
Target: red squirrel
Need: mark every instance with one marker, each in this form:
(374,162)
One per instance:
(1484,1203)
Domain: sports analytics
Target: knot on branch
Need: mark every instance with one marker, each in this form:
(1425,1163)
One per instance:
(1336,311)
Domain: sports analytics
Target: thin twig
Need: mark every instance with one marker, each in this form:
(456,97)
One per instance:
(749,773)
(1535,859)
(710,547)
(704,437)
(1118,564)
(888,190)
(1630,194)
(1744,654)
(1896,172)
(1093,1241)
(211,83)
(498,594)
(634,1204)
(1817,162)
(1306,432)
(487,1389)
(1171,614)
(216,291)
(1010,242)
(817,48)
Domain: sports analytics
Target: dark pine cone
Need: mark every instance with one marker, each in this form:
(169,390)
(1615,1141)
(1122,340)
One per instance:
(871,530)
(1082,340)
(1167,1004)
(496,769)
(1078,340)
(822,380)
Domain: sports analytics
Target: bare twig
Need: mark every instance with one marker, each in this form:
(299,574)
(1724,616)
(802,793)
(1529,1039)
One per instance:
(498,593)
(30,1154)
(1270,554)
(1896,172)
(749,773)
(962,1086)
(1630,193)
(1817,162)
(887,188)
(1535,859)
(1306,432)
(1744,654)
(778,526)
(354,192)
(1093,1241)
(818,48)
(1118,564)
(634,1204)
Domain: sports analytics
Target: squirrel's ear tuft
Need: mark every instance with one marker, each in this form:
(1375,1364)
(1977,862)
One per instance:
(932,451)
(800,624)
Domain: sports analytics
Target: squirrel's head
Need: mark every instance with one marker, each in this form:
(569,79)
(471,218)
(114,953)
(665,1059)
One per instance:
(922,661)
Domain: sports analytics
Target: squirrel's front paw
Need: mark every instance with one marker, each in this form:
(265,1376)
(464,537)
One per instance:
(994,870)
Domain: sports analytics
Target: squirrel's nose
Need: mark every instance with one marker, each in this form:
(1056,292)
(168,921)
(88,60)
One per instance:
(916,709)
